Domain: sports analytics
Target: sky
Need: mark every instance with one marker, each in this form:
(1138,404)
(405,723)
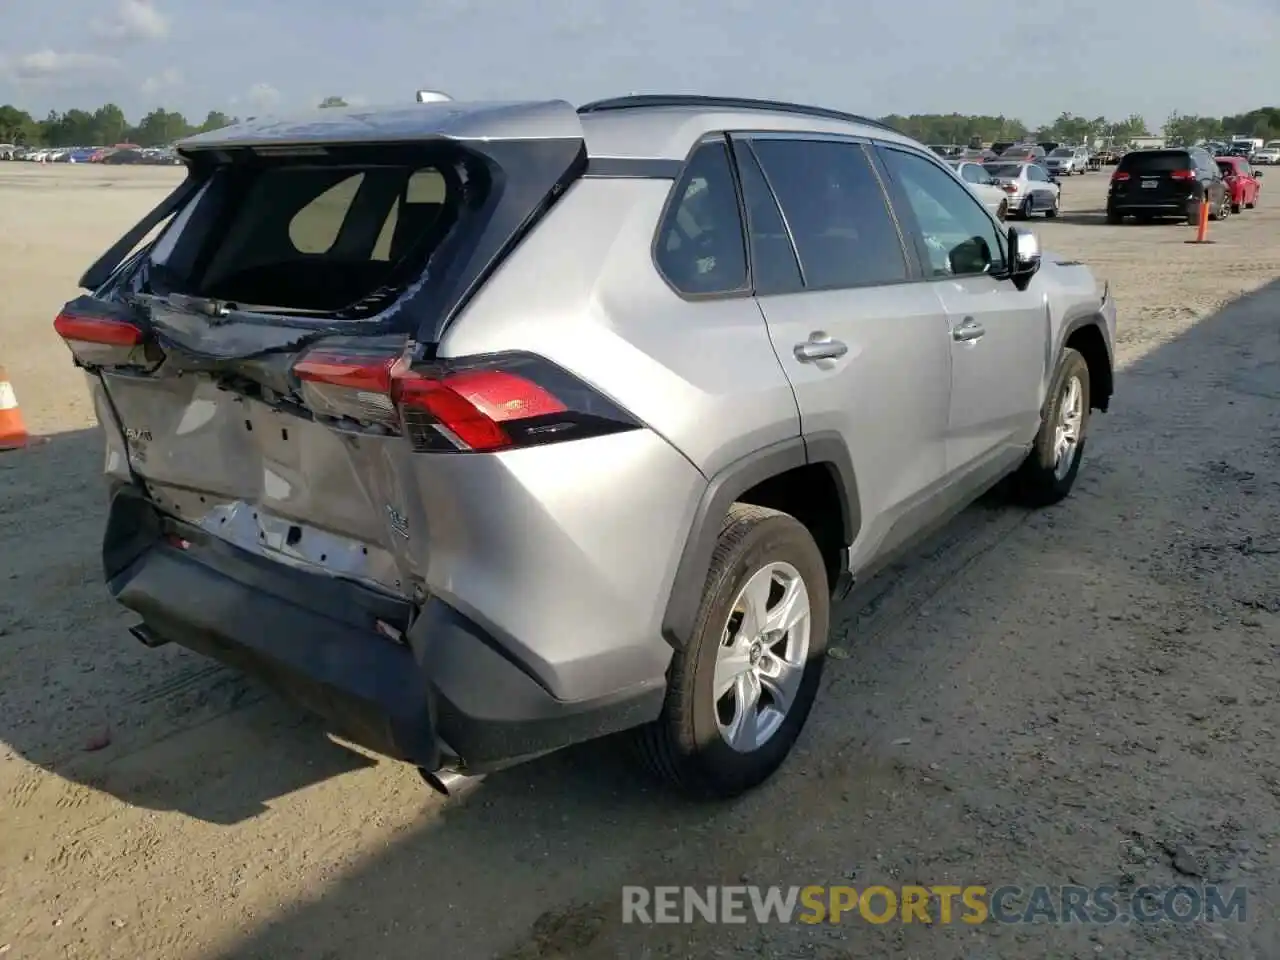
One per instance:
(1031,60)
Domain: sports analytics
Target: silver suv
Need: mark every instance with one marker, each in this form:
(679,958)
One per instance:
(487,428)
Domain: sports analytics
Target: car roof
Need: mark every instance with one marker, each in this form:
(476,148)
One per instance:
(655,126)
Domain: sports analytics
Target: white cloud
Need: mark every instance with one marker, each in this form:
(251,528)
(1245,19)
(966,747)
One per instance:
(133,20)
(263,97)
(52,67)
(162,82)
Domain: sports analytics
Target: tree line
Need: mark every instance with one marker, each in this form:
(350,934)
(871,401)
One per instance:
(1180,128)
(107,125)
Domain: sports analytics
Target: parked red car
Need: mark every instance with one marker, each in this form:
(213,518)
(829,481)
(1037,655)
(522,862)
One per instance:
(1242,182)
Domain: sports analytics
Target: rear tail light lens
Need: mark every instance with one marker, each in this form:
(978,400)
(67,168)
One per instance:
(1119,177)
(106,341)
(476,405)
(100,330)
(1181,175)
(1009,187)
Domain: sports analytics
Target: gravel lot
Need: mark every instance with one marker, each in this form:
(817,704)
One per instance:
(1085,695)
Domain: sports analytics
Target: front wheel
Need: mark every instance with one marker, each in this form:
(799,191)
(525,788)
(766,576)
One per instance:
(1002,211)
(1027,208)
(1053,210)
(739,693)
(1050,470)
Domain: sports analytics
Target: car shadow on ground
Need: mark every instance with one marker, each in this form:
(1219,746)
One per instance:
(83,699)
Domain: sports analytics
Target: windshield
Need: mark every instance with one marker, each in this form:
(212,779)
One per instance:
(1009,171)
(1063,152)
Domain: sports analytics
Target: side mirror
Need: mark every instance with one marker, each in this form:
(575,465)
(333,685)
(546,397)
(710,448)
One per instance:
(1257,173)
(1024,256)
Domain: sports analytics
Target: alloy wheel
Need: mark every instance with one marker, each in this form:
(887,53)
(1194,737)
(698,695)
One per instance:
(762,656)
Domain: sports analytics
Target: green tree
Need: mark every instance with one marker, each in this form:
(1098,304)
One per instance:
(215,120)
(1188,130)
(333,102)
(1123,131)
(109,125)
(159,127)
(17,126)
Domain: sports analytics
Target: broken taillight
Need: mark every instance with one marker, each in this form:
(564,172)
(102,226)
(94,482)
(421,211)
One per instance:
(479,405)
(106,341)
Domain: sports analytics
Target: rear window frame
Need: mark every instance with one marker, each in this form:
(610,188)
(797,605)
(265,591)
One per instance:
(438,155)
(1129,161)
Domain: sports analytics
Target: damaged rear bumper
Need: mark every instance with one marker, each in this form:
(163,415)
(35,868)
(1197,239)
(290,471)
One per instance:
(445,695)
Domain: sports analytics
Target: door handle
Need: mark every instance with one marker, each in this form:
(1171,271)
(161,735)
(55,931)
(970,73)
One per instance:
(968,331)
(819,346)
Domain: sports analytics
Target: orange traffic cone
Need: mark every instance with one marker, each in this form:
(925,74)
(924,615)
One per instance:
(13,432)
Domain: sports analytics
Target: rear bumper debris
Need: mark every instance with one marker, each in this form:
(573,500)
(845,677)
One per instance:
(446,696)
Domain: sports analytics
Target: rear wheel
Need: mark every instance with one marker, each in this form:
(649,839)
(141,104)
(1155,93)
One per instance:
(1114,217)
(1002,211)
(1250,206)
(740,692)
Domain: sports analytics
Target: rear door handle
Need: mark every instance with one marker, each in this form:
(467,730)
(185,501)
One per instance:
(968,330)
(819,346)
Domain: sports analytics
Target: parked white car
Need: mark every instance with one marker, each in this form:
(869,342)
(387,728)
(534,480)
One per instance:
(1269,155)
(1028,187)
(984,186)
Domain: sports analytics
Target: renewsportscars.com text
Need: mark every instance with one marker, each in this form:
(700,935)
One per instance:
(942,904)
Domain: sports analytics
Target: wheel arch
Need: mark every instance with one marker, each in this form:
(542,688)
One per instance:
(1086,335)
(811,476)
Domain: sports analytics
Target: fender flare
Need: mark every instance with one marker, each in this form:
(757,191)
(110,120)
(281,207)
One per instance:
(827,448)
(1080,322)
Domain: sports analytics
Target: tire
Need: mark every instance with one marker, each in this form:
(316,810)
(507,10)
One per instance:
(1237,207)
(1218,211)
(689,745)
(1045,477)
(1025,212)
(1002,211)
(1253,205)
(1114,217)
(1053,211)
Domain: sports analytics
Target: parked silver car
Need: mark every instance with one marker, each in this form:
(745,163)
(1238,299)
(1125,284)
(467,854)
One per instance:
(1066,161)
(681,369)
(984,186)
(1029,187)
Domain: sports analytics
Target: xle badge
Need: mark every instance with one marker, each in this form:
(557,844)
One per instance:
(136,435)
(399,523)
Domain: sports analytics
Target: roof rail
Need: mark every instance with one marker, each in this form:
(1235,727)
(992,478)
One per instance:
(641,100)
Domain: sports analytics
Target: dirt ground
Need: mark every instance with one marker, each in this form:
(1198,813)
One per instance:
(1086,695)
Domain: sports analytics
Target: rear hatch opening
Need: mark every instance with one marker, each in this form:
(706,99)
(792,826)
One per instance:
(260,354)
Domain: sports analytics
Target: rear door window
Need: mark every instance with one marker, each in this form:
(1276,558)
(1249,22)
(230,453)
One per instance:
(836,211)
(701,247)
(774,267)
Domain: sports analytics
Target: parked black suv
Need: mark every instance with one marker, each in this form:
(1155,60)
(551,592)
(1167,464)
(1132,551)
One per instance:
(1167,183)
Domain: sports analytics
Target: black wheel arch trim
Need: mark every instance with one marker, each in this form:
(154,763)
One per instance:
(1074,325)
(827,448)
